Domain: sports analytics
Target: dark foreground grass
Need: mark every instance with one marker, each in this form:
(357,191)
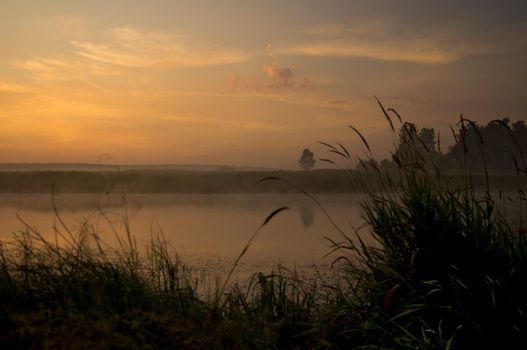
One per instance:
(447,271)
(81,296)
(74,292)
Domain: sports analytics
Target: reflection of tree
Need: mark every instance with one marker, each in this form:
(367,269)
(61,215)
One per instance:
(307,212)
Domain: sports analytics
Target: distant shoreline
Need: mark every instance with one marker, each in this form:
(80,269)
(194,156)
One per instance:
(210,182)
(91,167)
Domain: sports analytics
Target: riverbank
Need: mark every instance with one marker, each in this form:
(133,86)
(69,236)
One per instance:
(217,182)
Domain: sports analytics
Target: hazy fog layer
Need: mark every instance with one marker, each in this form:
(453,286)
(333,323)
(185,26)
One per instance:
(196,226)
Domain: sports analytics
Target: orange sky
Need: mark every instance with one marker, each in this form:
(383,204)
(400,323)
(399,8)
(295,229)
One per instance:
(246,82)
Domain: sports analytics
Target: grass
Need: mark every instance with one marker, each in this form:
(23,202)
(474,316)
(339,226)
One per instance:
(77,293)
(447,271)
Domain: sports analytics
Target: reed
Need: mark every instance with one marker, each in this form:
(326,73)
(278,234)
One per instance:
(447,270)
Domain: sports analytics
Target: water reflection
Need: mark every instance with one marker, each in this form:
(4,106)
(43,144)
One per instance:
(214,225)
(307,212)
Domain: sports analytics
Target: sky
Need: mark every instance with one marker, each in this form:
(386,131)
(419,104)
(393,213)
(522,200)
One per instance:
(248,83)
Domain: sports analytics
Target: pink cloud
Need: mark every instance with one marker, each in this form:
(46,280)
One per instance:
(276,79)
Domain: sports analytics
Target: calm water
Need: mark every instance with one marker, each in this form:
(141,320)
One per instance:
(207,231)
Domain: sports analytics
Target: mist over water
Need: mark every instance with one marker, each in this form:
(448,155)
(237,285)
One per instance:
(197,226)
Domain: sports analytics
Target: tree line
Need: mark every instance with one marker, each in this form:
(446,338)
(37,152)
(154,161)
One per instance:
(498,145)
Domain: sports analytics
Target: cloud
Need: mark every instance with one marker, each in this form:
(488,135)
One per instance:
(390,40)
(276,79)
(275,73)
(130,47)
(43,65)
(6,87)
(416,51)
(65,68)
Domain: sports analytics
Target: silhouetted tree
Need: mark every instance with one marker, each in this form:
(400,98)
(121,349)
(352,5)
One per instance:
(428,138)
(499,144)
(467,145)
(307,161)
(407,141)
(416,146)
(387,164)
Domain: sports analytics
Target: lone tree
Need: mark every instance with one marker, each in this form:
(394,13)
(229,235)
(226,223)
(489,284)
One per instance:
(306,161)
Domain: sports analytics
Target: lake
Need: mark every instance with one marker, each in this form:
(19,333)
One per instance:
(207,231)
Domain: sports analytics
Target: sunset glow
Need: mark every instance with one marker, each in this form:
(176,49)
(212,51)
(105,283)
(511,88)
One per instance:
(246,83)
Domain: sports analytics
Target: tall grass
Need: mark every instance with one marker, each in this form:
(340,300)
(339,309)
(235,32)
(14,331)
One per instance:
(447,269)
(76,292)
